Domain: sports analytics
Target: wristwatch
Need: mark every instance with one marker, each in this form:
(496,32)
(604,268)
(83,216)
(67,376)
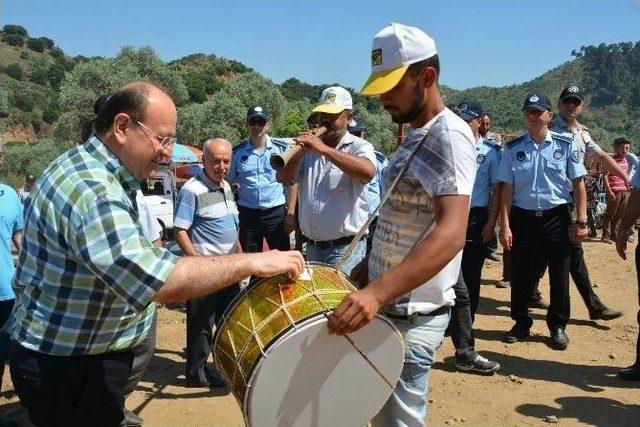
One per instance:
(581,224)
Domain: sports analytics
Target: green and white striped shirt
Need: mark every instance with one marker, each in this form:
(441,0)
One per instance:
(86,274)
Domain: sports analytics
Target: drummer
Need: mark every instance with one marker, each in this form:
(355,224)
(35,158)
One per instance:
(332,172)
(416,254)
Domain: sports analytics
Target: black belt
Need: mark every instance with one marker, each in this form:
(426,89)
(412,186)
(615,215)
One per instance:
(541,214)
(324,244)
(437,312)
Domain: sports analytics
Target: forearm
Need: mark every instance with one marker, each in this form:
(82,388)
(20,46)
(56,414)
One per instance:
(194,277)
(356,167)
(496,189)
(238,246)
(506,197)
(185,243)
(287,174)
(580,199)
(292,198)
(612,166)
(631,212)
(17,239)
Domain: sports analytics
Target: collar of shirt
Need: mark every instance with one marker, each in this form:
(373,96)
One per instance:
(249,147)
(202,176)
(562,123)
(112,163)
(347,139)
(545,141)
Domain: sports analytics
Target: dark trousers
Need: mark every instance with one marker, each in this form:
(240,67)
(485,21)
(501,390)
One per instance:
(460,325)
(256,224)
(533,237)
(202,314)
(142,354)
(372,230)
(71,390)
(6,307)
(473,255)
(580,275)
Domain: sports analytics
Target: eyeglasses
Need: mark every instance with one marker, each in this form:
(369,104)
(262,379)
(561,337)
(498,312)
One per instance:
(164,142)
(260,122)
(574,101)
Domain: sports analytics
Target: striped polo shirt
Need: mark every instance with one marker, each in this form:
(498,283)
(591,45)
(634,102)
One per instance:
(210,215)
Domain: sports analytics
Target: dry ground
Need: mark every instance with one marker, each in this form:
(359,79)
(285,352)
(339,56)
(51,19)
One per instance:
(578,385)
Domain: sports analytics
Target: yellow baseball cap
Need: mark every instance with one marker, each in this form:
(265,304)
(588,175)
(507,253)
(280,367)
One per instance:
(334,100)
(394,48)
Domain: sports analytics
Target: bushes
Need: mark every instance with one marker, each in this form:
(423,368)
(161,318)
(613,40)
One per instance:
(37,45)
(13,40)
(15,71)
(22,158)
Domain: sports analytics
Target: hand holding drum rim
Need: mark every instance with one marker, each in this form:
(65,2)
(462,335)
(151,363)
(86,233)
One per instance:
(274,262)
(355,311)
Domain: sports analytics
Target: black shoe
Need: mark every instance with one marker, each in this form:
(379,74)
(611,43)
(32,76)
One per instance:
(477,364)
(632,373)
(214,380)
(605,314)
(131,419)
(538,303)
(559,338)
(517,333)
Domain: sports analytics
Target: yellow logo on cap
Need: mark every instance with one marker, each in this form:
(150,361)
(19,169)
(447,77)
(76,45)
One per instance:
(330,98)
(376,57)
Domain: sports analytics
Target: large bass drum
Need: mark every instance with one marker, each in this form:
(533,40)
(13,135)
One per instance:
(274,351)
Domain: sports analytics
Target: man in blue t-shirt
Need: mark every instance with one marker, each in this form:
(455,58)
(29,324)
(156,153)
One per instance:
(11,225)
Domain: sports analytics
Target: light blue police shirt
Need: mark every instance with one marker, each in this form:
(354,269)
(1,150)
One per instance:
(541,175)
(375,185)
(11,221)
(258,188)
(487,161)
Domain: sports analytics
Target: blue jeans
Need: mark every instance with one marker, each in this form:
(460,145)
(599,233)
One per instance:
(407,406)
(333,254)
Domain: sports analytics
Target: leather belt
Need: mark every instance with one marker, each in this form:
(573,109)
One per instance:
(324,244)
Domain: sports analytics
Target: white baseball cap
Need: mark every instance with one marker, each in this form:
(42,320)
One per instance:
(394,48)
(334,100)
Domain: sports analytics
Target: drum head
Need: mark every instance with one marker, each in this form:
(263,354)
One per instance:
(311,378)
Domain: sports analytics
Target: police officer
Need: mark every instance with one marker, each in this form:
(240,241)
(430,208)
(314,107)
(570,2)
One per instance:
(261,199)
(539,170)
(483,215)
(566,122)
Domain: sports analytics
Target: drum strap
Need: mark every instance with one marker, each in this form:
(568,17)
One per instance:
(393,186)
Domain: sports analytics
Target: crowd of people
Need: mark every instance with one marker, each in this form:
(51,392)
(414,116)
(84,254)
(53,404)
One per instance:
(79,311)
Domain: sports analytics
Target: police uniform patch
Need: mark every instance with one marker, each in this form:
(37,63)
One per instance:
(576,156)
(520,155)
(534,98)
(244,159)
(557,154)
(573,89)
(376,57)
(481,158)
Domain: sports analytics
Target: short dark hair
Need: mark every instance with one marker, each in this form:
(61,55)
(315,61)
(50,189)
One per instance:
(131,100)
(417,67)
(621,141)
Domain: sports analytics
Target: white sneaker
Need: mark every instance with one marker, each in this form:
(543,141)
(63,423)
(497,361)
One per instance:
(503,284)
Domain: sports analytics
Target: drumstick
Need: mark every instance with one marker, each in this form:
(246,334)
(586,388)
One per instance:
(348,338)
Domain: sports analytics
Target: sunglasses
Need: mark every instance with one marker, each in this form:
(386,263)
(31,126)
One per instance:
(259,122)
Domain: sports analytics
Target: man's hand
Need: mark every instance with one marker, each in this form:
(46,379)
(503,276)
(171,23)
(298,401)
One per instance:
(360,273)
(289,223)
(355,311)
(578,233)
(621,244)
(272,263)
(506,238)
(310,142)
(487,232)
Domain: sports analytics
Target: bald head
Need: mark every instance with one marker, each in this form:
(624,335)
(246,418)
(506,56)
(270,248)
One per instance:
(217,159)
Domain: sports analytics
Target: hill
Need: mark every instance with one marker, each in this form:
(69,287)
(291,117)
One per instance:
(45,94)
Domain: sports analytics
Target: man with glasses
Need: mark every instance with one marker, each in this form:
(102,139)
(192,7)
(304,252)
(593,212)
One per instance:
(332,172)
(570,104)
(87,276)
(261,199)
(539,172)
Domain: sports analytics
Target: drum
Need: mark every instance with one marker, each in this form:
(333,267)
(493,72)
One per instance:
(274,351)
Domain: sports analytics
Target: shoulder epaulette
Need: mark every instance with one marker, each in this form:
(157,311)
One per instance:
(239,145)
(513,142)
(279,143)
(379,156)
(562,137)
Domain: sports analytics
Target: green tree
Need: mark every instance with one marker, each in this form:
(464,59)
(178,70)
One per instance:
(39,72)
(15,71)
(13,39)
(37,45)
(55,75)
(15,29)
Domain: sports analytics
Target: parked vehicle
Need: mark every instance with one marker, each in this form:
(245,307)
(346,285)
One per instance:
(160,195)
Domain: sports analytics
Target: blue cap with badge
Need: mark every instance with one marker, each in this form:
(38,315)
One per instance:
(258,111)
(469,110)
(537,101)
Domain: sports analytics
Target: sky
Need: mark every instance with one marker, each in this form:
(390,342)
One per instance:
(490,43)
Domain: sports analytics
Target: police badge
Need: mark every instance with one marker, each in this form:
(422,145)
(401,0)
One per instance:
(520,155)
